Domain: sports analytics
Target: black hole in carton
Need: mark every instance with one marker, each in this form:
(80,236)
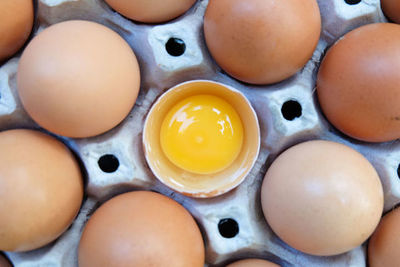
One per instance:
(352,2)
(291,110)
(175,47)
(108,163)
(398,171)
(228,228)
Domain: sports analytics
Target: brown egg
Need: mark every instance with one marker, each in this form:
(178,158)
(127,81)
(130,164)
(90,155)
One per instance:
(4,262)
(358,83)
(41,189)
(141,229)
(151,11)
(383,247)
(262,41)
(252,263)
(78,79)
(391,8)
(322,198)
(16,22)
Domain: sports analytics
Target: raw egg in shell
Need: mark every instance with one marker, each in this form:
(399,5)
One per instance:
(201,138)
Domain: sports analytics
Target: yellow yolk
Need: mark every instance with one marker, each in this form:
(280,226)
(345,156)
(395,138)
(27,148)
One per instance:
(202,134)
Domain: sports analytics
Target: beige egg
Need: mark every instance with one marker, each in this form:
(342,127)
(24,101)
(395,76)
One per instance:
(252,263)
(41,189)
(262,41)
(322,198)
(384,243)
(358,83)
(151,11)
(141,229)
(16,22)
(78,79)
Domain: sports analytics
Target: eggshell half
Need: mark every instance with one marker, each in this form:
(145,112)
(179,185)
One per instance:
(194,184)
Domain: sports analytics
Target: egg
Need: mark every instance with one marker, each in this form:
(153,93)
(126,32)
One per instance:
(141,229)
(384,243)
(41,189)
(391,8)
(201,138)
(4,262)
(78,79)
(358,83)
(322,198)
(202,134)
(151,11)
(252,263)
(262,41)
(16,22)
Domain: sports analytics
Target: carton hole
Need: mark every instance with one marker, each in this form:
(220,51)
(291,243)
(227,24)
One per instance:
(291,110)
(352,2)
(228,228)
(175,47)
(108,163)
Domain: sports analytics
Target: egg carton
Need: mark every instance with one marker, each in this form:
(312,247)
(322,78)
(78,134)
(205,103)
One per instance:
(232,224)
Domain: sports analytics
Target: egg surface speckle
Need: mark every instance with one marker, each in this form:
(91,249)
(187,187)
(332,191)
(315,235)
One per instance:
(358,83)
(78,79)
(322,198)
(16,22)
(151,11)
(141,229)
(41,189)
(262,41)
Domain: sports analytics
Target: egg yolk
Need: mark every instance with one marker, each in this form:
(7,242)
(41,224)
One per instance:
(202,134)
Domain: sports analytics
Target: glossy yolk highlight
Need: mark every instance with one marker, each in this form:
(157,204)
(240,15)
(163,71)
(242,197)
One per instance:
(202,134)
